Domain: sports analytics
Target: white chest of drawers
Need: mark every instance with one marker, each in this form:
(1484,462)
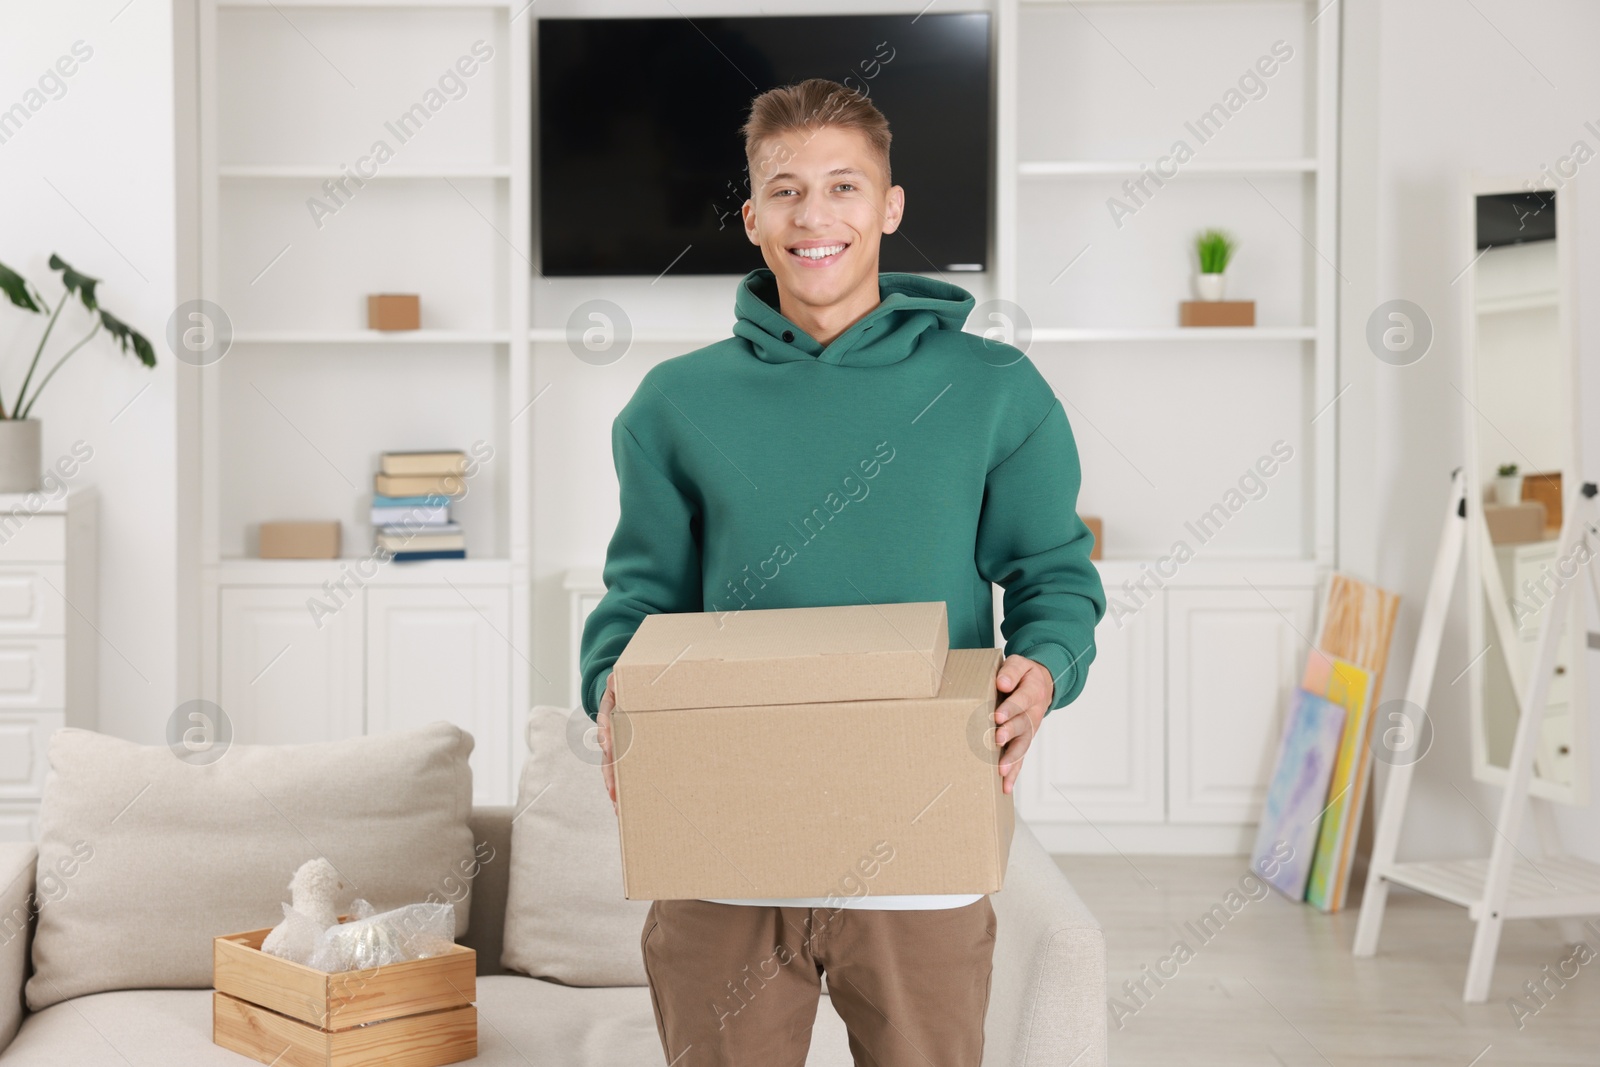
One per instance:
(48,642)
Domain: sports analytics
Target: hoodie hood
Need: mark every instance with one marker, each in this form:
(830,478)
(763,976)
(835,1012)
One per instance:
(908,305)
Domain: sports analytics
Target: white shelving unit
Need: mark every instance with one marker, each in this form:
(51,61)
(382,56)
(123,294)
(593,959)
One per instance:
(1166,418)
(1169,747)
(1180,333)
(370,337)
(49,641)
(1226,168)
(292,419)
(310,170)
(686,339)
(517,8)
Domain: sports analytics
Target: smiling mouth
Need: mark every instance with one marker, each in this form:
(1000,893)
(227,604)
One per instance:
(819,255)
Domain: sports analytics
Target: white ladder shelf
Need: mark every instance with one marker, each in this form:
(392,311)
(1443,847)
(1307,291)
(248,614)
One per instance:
(1506,884)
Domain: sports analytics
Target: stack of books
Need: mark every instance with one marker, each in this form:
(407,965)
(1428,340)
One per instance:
(411,504)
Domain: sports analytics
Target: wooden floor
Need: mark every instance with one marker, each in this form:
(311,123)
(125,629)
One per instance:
(1276,985)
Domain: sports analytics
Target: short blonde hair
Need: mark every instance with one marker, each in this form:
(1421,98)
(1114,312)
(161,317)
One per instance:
(812,105)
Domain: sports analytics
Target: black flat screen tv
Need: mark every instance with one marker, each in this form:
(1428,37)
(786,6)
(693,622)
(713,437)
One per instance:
(1516,218)
(641,165)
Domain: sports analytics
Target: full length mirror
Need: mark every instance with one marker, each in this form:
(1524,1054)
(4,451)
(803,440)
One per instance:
(1521,445)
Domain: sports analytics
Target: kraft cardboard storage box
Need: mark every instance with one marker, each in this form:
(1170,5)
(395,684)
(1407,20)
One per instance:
(299,540)
(755,773)
(796,655)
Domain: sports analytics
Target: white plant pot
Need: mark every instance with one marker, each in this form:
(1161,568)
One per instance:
(1508,490)
(1210,286)
(19,455)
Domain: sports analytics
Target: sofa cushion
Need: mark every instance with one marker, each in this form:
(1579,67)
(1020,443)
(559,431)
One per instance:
(17,906)
(566,917)
(151,856)
(520,1021)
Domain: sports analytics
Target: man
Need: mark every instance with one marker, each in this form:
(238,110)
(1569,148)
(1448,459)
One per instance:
(850,444)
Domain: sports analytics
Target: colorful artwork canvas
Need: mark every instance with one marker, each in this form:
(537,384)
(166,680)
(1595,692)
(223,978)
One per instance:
(1358,625)
(1358,622)
(1351,688)
(1297,793)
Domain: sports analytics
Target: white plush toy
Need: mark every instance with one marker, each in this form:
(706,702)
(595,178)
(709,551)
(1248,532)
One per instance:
(316,893)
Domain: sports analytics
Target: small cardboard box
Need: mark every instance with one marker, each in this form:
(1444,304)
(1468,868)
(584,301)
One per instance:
(836,799)
(418,1013)
(1217,313)
(1515,524)
(394,311)
(1544,487)
(299,540)
(715,659)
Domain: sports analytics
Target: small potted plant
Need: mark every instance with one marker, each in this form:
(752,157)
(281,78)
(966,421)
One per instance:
(1507,485)
(1214,249)
(19,432)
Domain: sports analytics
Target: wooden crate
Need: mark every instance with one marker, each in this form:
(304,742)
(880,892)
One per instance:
(413,1014)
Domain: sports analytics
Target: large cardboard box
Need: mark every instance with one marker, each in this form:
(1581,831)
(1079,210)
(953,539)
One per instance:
(817,799)
(715,659)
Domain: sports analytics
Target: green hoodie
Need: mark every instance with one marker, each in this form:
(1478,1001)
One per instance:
(905,461)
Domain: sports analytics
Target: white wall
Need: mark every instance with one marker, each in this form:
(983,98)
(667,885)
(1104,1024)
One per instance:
(89,175)
(1505,87)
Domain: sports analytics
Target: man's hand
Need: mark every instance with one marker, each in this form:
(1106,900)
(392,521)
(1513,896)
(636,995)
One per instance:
(1018,717)
(608,769)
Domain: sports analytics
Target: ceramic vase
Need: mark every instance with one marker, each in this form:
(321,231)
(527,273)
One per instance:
(1210,286)
(19,455)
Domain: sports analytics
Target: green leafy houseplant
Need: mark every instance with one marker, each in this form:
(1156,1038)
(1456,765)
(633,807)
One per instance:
(1507,470)
(77,285)
(1214,249)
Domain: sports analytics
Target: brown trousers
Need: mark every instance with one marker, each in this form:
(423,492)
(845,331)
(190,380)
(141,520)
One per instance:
(735,985)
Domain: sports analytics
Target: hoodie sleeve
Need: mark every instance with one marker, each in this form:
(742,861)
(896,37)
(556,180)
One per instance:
(652,564)
(1032,543)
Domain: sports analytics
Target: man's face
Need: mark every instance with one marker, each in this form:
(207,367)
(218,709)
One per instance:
(818,209)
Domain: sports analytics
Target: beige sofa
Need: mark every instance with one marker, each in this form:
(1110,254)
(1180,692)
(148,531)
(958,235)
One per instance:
(1047,1003)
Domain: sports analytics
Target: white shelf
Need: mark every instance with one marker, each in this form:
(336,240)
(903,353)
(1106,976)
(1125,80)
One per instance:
(1067,168)
(1182,333)
(379,4)
(1218,571)
(1174,333)
(275,572)
(369,337)
(1517,302)
(1556,886)
(238,171)
(1114,3)
(553,335)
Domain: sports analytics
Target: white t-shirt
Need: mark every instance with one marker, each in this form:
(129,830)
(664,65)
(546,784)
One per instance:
(905,902)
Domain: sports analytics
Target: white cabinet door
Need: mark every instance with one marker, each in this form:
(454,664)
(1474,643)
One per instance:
(24,751)
(1234,656)
(288,677)
(1099,759)
(583,602)
(19,822)
(444,652)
